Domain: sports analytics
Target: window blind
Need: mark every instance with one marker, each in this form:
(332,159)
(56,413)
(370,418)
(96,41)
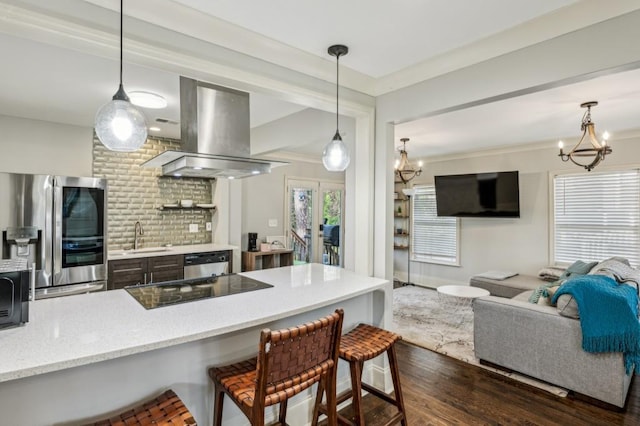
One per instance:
(434,239)
(597,216)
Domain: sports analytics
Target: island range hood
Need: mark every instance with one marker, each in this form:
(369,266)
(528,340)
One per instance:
(215,135)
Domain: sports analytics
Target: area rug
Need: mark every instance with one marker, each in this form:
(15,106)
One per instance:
(425,319)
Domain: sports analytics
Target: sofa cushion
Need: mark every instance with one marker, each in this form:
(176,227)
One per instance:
(567,306)
(506,288)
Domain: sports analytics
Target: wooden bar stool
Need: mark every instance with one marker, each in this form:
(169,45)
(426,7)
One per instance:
(165,410)
(361,344)
(289,361)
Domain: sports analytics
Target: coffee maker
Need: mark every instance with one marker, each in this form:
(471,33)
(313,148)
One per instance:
(253,241)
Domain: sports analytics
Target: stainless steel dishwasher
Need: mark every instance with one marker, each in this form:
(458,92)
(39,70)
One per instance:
(197,265)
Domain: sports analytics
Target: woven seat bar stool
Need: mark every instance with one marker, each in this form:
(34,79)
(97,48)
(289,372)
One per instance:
(165,410)
(289,361)
(361,344)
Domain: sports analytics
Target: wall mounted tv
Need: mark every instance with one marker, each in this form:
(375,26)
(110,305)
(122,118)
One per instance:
(478,195)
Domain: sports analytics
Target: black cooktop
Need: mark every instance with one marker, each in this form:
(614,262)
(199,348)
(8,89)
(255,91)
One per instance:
(173,292)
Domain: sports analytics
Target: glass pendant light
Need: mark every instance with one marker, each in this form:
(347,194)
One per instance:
(119,125)
(335,156)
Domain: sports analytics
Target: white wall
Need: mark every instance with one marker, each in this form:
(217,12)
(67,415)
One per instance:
(41,147)
(598,49)
(263,197)
(520,245)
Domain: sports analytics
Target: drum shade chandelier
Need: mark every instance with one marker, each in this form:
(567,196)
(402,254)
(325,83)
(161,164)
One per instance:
(119,125)
(596,152)
(335,156)
(404,170)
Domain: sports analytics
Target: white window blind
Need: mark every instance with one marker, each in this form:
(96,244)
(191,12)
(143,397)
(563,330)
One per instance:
(434,239)
(596,216)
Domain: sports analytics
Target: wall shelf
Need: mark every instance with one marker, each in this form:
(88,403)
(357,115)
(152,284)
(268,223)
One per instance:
(161,208)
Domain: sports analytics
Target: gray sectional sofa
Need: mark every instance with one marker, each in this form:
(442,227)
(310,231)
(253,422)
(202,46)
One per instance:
(537,341)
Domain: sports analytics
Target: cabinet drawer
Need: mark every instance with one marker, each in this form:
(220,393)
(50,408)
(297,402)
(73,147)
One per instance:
(122,273)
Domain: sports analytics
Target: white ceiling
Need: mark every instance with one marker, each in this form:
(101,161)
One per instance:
(383,36)
(41,79)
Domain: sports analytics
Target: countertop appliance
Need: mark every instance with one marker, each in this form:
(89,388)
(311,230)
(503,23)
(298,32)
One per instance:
(197,265)
(58,224)
(14,293)
(168,293)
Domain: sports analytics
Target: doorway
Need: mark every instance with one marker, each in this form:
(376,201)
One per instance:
(314,220)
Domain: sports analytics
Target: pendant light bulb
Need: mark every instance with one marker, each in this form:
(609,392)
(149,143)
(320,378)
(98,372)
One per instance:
(335,156)
(119,125)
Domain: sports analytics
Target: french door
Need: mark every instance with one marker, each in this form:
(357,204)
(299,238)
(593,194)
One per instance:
(314,217)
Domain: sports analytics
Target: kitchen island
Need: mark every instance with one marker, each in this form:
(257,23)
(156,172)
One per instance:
(81,357)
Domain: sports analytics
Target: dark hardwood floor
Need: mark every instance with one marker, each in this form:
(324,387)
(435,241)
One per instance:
(439,390)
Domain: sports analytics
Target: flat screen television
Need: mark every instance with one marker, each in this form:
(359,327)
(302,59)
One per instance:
(478,195)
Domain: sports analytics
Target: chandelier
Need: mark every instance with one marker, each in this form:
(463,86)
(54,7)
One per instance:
(596,152)
(404,170)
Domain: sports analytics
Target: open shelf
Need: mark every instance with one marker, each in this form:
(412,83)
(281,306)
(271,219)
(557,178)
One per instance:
(185,208)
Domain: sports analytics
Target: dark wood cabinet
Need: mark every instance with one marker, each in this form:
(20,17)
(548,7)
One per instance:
(144,270)
(165,268)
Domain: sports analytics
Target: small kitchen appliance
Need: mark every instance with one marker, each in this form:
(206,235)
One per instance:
(253,241)
(14,292)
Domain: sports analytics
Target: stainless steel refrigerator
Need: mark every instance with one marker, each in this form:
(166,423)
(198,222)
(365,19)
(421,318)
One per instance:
(58,224)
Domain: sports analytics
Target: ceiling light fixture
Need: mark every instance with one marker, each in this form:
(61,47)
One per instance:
(147,100)
(335,156)
(598,149)
(119,125)
(404,170)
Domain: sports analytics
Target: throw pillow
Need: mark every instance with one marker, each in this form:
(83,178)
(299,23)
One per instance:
(577,268)
(567,306)
(547,294)
(550,273)
(540,292)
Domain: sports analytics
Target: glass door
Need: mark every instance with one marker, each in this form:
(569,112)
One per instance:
(80,251)
(332,206)
(301,202)
(314,218)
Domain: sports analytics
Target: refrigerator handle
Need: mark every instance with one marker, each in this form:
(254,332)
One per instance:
(32,282)
(57,231)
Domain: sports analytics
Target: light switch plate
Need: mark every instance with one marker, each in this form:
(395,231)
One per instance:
(193,227)
(208,226)
(273,223)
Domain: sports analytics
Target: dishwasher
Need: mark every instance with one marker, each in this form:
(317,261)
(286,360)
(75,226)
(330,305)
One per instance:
(197,265)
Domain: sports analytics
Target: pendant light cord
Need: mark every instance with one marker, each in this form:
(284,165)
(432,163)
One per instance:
(121,20)
(337,88)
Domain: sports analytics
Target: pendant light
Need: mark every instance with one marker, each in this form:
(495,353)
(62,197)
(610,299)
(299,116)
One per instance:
(405,171)
(335,156)
(119,125)
(594,153)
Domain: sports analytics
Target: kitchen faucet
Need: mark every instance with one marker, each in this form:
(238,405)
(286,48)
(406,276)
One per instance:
(139,232)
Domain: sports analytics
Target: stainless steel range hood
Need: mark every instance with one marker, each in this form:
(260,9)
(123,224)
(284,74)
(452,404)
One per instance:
(215,135)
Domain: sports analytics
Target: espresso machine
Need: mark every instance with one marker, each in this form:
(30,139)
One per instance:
(253,241)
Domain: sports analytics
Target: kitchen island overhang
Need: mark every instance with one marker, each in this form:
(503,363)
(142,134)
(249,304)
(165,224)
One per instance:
(108,343)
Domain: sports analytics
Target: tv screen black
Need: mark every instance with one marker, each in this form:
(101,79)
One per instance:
(478,195)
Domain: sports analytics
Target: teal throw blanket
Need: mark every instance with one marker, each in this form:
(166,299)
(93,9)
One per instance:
(608,315)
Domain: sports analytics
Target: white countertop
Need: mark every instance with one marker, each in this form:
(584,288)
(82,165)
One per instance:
(76,330)
(167,251)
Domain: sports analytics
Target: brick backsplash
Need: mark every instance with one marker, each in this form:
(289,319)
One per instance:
(136,194)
